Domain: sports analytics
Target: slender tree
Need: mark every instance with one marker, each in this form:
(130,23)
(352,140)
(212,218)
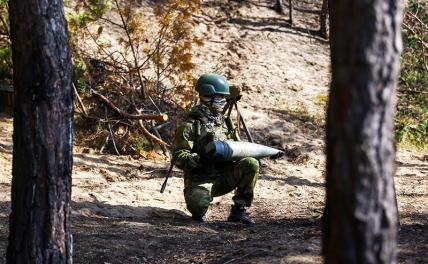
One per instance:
(360,217)
(43,134)
(323,19)
(279,7)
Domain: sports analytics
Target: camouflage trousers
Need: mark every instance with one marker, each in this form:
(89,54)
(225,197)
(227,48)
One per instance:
(241,176)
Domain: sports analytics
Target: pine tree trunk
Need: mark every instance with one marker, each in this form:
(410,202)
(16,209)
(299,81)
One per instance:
(360,218)
(43,134)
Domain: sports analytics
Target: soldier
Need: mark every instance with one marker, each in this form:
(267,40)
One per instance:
(204,179)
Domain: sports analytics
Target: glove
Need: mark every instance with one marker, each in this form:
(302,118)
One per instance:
(278,155)
(193,161)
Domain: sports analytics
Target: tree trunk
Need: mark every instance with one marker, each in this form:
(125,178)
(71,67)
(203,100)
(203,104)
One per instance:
(323,19)
(43,134)
(290,12)
(360,217)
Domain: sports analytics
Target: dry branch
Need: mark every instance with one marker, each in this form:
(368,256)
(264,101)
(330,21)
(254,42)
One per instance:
(85,113)
(111,133)
(127,115)
(418,19)
(151,136)
(421,41)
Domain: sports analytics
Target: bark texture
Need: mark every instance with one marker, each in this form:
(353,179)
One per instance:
(43,134)
(360,218)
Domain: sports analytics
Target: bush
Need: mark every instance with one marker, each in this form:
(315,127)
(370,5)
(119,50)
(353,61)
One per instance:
(5,45)
(412,114)
(141,62)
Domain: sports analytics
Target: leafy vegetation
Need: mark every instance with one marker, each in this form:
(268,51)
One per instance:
(147,63)
(412,114)
(141,62)
(5,45)
(155,55)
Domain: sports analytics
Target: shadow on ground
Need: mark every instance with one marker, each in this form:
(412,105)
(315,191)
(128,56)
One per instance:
(131,171)
(99,239)
(293,181)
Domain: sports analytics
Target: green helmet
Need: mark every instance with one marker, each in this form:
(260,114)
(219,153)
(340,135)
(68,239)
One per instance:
(210,83)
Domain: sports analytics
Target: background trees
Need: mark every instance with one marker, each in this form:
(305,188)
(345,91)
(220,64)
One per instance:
(412,114)
(39,227)
(360,217)
(168,75)
(141,62)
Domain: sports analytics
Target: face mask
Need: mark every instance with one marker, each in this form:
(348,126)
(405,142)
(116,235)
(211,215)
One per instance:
(215,104)
(218,104)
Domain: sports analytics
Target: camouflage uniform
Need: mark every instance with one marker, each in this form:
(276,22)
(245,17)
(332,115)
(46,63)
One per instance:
(204,180)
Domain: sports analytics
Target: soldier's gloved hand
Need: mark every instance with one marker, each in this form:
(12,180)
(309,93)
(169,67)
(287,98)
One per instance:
(194,161)
(278,155)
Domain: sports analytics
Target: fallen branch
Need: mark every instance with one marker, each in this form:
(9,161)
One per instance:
(127,115)
(151,136)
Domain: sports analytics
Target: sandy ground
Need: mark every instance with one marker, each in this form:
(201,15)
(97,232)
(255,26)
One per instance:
(119,216)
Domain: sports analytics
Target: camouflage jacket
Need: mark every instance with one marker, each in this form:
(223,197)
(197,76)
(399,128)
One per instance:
(199,128)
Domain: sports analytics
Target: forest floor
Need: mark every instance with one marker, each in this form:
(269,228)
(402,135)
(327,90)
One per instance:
(119,216)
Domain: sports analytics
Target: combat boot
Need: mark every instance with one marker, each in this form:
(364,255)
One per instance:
(202,218)
(238,214)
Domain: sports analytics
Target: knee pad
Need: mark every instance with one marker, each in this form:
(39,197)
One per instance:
(250,164)
(197,200)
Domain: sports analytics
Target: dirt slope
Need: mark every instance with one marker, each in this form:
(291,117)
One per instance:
(119,215)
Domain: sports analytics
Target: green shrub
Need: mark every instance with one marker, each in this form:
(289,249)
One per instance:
(412,109)
(5,45)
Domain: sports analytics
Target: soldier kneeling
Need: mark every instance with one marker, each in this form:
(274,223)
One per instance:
(204,179)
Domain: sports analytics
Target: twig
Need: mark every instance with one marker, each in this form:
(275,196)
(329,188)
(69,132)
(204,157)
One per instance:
(109,55)
(105,144)
(85,113)
(417,35)
(162,117)
(418,19)
(153,102)
(112,22)
(111,133)
(157,66)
